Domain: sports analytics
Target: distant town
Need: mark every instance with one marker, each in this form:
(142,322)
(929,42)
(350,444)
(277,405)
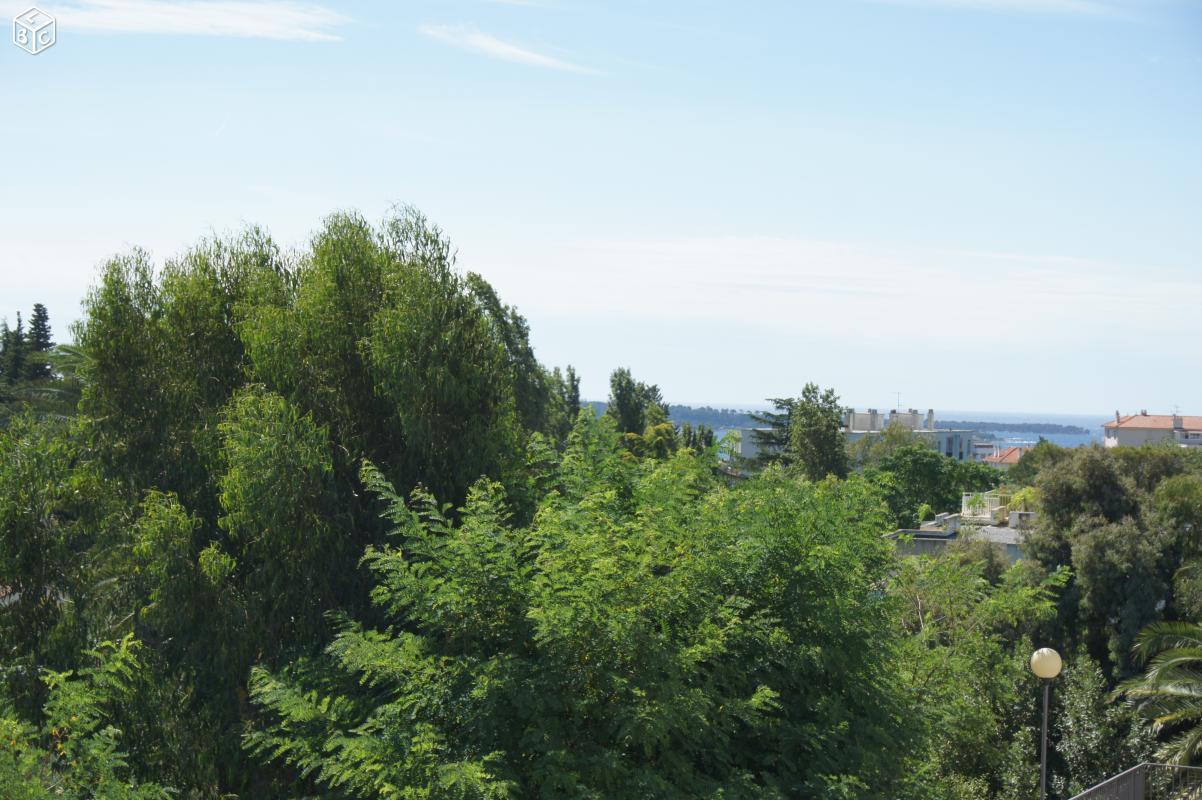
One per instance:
(975,440)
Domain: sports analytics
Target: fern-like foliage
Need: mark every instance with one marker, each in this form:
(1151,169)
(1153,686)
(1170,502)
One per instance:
(649,634)
(76,754)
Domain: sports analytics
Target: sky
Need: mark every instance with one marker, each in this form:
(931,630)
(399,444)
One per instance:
(970,204)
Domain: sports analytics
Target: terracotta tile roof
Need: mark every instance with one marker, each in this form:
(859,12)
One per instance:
(1008,456)
(1154,422)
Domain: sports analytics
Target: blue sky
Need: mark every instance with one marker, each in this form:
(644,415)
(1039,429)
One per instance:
(980,204)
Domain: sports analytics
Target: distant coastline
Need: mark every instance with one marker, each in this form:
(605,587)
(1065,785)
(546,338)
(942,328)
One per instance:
(722,419)
(1015,427)
(716,418)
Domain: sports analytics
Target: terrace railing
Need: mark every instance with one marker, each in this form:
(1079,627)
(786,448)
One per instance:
(1149,782)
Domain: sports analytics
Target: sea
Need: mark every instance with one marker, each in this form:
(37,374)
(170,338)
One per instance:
(1004,438)
(1091,422)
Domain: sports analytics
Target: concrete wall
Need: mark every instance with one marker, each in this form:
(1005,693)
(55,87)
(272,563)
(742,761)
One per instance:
(1135,437)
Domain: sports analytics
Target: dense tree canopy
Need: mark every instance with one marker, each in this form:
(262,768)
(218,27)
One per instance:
(649,635)
(318,523)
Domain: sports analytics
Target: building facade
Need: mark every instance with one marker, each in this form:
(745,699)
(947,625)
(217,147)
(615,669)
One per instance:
(1143,428)
(857,425)
(957,444)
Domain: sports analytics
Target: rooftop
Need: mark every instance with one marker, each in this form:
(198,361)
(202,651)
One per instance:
(1008,456)
(1146,421)
(997,534)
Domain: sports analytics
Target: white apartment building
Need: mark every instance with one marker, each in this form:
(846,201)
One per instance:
(957,444)
(1144,428)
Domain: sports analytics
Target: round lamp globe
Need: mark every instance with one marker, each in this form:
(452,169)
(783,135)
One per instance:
(1045,663)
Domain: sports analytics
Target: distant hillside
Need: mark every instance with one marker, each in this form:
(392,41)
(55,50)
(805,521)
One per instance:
(715,418)
(1016,427)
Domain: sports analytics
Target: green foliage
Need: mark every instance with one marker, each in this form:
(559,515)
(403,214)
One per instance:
(633,405)
(586,610)
(40,569)
(695,438)
(39,344)
(13,350)
(1043,454)
(208,496)
(914,476)
(1095,737)
(438,359)
(681,641)
(965,659)
(816,442)
(161,357)
(1169,693)
(76,753)
(280,519)
(771,433)
(565,404)
(1122,581)
(869,451)
(1125,523)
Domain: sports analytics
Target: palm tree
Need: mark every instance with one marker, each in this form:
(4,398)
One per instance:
(55,397)
(1170,690)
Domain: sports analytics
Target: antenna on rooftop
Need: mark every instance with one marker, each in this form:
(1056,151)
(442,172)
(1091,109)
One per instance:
(898,406)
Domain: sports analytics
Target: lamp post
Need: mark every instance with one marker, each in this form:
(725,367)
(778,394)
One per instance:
(1045,663)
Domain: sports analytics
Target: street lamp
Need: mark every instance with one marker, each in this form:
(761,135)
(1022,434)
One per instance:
(1045,663)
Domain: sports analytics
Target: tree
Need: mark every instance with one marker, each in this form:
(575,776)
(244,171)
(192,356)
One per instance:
(228,397)
(964,658)
(437,359)
(1122,580)
(285,554)
(633,405)
(37,365)
(816,442)
(531,382)
(1105,516)
(15,348)
(564,404)
(1043,454)
(75,753)
(1095,737)
(870,450)
(41,568)
(771,437)
(571,393)
(698,438)
(1169,693)
(915,476)
(680,641)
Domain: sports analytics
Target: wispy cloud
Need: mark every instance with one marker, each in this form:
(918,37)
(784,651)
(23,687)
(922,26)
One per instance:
(255,19)
(485,44)
(1093,7)
(800,286)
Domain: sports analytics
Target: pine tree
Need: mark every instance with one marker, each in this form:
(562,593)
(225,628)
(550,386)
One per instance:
(37,367)
(772,435)
(14,352)
(5,334)
(572,400)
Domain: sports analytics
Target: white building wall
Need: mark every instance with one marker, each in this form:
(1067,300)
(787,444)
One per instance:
(1135,437)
